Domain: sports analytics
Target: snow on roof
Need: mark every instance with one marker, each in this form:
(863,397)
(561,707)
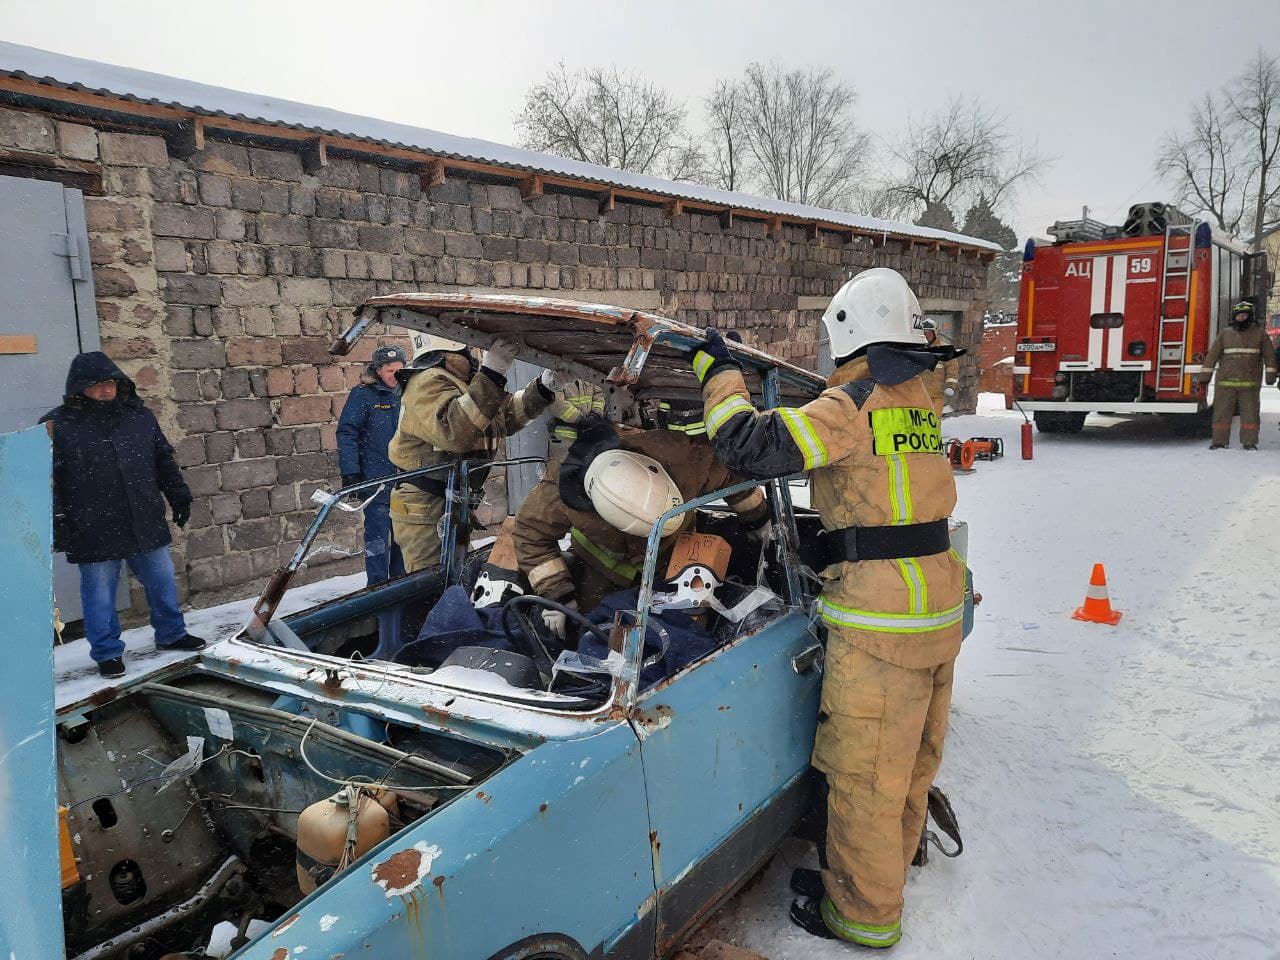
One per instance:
(139,86)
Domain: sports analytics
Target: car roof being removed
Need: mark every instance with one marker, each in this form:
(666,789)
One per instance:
(599,341)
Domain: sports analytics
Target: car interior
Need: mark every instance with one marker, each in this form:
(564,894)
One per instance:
(384,623)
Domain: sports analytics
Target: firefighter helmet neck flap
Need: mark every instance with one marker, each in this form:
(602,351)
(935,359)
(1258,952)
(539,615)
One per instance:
(876,306)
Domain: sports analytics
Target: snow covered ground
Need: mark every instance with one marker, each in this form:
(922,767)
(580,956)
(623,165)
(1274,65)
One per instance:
(78,677)
(1118,787)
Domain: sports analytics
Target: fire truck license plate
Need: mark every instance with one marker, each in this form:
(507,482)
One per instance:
(1036,347)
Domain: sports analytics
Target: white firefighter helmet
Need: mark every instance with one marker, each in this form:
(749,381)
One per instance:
(631,491)
(876,306)
(424,343)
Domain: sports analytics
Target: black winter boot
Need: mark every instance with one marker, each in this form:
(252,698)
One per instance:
(112,668)
(807,883)
(188,642)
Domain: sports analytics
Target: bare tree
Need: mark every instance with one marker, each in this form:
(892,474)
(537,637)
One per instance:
(1226,164)
(1204,164)
(610,118)
(796,132)
(725,160)
(1254,98)
(950,158)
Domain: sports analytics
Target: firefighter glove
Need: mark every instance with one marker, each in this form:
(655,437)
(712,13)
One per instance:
(182,512)
(499,356)
(711,356)
(547,384)
(556,622)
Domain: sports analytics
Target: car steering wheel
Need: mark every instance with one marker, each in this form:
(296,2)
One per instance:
(529,640)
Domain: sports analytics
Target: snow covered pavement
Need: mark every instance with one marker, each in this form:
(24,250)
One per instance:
(1118,787)
(77,675)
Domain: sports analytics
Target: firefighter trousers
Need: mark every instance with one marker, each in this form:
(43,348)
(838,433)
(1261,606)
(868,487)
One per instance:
(1229,402)
(879,742)
(415,524)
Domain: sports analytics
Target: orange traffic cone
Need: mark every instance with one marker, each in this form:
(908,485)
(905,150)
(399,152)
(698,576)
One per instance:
(1097,603)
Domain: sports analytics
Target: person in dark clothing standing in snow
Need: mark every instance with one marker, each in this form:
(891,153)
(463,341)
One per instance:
(365,428)
(113,471)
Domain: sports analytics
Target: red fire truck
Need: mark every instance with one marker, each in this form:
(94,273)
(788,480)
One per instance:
(1118,319)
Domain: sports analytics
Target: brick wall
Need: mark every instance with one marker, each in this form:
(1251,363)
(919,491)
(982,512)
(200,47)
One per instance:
(222,279)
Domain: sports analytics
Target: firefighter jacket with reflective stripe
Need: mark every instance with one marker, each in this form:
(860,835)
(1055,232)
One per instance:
(444,417)
(572,401)
(874,453)
(544,518)
(1242,357)
(945,376)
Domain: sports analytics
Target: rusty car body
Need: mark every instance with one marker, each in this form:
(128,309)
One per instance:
(533,822)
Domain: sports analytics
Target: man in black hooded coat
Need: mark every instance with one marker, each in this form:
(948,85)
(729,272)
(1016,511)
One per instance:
(113,470)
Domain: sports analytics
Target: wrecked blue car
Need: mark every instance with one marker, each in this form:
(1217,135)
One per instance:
(302,790)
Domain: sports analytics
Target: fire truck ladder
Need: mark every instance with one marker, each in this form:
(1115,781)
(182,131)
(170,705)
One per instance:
(1175,303)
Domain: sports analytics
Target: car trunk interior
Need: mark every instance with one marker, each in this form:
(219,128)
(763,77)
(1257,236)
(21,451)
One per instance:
(183,802)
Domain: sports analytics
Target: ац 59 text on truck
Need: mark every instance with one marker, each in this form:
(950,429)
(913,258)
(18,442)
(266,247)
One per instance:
(1119,319)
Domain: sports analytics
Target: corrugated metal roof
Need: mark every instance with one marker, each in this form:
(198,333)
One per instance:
(139,86)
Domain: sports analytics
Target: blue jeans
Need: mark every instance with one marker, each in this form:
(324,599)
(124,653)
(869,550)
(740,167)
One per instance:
(154,570)
(382,559)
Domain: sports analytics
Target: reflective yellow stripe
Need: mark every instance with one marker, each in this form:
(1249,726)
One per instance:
(805,437)
(609,560)
(840,616)
(566,433)
(866,934)
(725,409)
(1240,384)
(701,364)
(917,585)
(695,429)
(903,507)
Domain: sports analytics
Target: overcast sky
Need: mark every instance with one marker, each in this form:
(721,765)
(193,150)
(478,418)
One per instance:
(1094,82)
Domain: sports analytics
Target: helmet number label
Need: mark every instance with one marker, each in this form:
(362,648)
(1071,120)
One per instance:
(897,430)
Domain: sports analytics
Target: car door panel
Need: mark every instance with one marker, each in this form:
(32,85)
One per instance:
(722,744)
(520,856)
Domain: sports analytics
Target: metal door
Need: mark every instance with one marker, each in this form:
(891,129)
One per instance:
(48,315)
(532,441)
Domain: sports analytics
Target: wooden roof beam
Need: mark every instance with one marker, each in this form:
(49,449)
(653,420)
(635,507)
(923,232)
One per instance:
(431,174)
(315,155)
(607,200)
(186,138)
(531,186)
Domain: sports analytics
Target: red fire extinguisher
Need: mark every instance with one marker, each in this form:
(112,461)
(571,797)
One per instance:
(1026,440)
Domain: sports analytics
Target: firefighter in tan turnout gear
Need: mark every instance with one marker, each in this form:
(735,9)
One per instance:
(1243,354)
(942,381)
(606,495)
(451,411)
(893,599)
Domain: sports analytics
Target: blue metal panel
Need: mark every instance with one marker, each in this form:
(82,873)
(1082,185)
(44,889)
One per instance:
(521,855)
(31,920)
(722,740)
